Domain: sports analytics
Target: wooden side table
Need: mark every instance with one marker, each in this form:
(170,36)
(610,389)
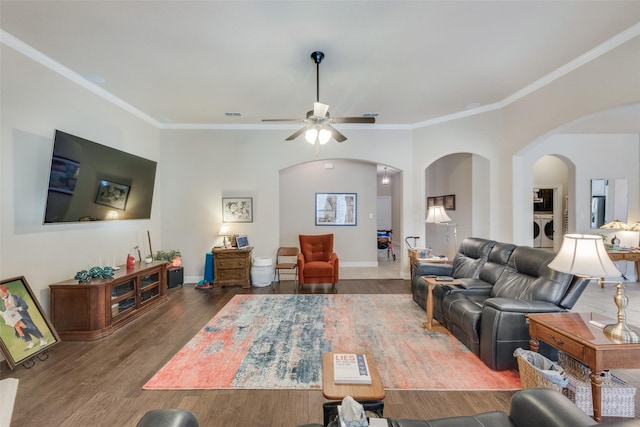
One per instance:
(232,267)
(430,324)
(414,258)
(633,256)
(575,335)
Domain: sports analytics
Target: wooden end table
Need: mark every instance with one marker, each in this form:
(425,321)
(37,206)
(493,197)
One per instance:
(360,392)
(431,324)
(573,334)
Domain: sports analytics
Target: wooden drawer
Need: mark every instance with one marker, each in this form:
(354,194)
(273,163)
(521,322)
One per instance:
(575,349)
(232,274)
(632,257)
(231,263)
(616,256)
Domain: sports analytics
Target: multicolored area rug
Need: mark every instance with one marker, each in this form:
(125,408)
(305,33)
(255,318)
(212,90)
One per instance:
(277,341)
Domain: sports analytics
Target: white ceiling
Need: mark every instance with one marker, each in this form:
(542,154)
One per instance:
(413,62)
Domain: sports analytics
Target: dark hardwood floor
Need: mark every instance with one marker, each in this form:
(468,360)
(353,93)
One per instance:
(99,383)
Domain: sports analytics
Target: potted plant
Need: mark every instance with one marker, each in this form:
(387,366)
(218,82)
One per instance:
(172,256)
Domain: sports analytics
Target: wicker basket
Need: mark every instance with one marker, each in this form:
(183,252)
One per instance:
(530,377)
(618,397)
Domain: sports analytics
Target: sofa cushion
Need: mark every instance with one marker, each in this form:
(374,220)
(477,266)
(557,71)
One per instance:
(496,262)
(493,419)
(462,313)
(528,277)
(471,256)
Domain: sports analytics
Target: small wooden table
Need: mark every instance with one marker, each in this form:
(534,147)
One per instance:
(573,334)
(633,256)
(430,324)
(360,392)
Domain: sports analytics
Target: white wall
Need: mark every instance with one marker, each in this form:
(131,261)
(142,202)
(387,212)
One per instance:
(36,101)
(205,165)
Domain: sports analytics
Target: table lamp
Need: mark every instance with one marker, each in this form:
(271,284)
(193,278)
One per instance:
(437,215)
(585,255)
(224,232)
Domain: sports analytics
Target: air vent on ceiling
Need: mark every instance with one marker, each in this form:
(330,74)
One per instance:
(233,114)
(370,114)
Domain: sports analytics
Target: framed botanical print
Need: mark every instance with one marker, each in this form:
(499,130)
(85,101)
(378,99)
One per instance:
(237,209)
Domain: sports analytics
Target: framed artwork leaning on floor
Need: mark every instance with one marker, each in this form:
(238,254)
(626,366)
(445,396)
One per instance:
(25,330)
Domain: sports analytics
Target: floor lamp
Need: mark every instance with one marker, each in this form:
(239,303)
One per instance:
(437,215)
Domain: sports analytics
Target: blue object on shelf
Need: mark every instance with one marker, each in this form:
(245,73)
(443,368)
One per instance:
(208,268)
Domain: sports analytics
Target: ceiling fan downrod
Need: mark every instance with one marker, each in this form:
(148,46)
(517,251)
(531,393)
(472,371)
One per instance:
(317,57)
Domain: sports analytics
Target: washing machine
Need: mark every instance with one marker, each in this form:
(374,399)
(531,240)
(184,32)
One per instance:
(537,238)
(546,230)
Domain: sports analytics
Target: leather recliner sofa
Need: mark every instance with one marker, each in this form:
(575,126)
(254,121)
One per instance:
(500,284)
(533,407)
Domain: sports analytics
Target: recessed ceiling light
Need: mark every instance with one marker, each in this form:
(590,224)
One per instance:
(94,78)
(233,114)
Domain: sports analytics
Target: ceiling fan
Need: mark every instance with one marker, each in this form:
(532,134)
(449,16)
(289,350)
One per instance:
(318,121)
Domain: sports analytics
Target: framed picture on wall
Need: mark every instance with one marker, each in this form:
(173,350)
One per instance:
(450,202)
(25,330)
(431,201)
(336,208)
(237,209)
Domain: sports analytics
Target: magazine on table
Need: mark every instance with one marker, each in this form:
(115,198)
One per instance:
(350,368)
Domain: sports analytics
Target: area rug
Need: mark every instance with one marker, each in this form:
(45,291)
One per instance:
(277,341)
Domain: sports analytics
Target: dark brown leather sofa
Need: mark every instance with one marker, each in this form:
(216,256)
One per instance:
(500,284)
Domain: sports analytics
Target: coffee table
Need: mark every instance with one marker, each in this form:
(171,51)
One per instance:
(430,324)
(333,391)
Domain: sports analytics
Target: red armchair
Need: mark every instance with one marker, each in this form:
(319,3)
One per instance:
(317,263)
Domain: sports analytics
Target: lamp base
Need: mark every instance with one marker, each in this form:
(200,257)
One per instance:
(620,332)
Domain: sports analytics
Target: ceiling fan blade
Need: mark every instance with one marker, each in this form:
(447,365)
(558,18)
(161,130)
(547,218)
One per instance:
(282,120)
(320,109)
(353,119)
(336,135)
(296,134)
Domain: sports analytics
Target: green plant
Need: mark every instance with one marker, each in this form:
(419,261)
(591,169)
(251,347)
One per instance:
(167,255)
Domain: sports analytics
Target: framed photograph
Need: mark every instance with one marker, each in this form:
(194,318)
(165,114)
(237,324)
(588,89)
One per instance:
(25,331)
(431,201)
(64,175)
(237,209)
(112,194)
(336,208)
(450,202)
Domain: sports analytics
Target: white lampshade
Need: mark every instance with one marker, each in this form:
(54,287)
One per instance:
(224,230)
(310,135)
(436,215)
(584,255)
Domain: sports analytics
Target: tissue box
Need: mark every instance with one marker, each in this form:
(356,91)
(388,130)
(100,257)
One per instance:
(362,422)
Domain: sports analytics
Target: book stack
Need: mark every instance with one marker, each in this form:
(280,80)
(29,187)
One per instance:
(351,368)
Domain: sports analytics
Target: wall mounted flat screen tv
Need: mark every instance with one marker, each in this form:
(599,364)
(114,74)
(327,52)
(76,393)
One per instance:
(92,182)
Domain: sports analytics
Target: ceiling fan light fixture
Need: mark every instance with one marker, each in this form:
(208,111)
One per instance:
(310,135)
(324,136)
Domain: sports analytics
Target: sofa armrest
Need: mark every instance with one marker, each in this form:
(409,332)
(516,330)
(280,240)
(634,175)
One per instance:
(426,269)
(546,407)
(521,306)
